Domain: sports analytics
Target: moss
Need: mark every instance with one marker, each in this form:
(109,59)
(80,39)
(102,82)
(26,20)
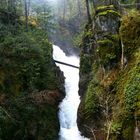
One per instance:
(109,12)
(92,106)
(104,42)
(128,87)
(109,50)
(114,38)
(103,8)
(88,33)
(130,33)
(127,97)
(86,63)
(121,87)
(106,10)
(87,47)
(106,55)
(127,132)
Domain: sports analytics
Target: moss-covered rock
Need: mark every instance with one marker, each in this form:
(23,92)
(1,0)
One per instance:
(130,33)
(110,105)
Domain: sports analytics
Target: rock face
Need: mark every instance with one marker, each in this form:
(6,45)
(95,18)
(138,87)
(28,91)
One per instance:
(109,107)
(46,96)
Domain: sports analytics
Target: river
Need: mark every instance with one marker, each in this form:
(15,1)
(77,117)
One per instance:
(68,107)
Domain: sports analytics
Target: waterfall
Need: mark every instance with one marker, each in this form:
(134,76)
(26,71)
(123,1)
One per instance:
(68,107)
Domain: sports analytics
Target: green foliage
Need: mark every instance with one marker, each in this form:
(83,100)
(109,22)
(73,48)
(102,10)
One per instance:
(132,89)
(86,63)
(87,36)
(127,1)
(109,50)
(43,14)
(100,8)
(92,104)
(27,60)
(114,89)
(24,120)
(128,130)
(128,92)
(129,32)
(26,65)
(116,128)
(106,51)
(87,46)
(107,12)
(78,39)
(128,87)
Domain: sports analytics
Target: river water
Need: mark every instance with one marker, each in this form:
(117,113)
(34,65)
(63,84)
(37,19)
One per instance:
(68,107)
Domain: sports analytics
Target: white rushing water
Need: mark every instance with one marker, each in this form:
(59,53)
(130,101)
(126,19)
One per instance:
(68,107)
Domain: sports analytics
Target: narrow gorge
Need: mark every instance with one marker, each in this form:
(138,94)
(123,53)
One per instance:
(88,88)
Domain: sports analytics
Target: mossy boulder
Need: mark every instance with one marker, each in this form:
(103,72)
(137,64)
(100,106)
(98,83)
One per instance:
(107,19)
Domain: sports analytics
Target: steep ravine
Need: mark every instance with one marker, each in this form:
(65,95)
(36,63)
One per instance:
(31,85)
(110,86)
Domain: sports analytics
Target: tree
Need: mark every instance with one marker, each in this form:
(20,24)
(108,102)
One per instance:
(79,7)
(137,4)
(64,9)
(88,10)
(26,14)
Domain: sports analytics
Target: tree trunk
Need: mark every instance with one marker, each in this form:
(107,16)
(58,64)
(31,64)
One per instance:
(137,2)
(88,11)
(79,7)
(28,7)
(64,9)
(26,15)
(44,18)
(94,5)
